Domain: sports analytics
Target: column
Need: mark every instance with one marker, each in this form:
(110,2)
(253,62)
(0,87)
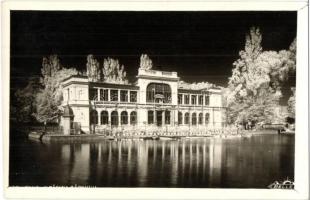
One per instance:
(119,95)
(213,117)
(75,94)
(99,117)
(108,94)
(98,94)
(119,118)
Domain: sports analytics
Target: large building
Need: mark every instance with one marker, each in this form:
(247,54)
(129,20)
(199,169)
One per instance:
(156,99)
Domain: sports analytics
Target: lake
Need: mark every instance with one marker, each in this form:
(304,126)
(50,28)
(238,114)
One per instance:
(253,162)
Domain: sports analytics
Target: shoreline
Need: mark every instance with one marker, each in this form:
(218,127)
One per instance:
(91,137)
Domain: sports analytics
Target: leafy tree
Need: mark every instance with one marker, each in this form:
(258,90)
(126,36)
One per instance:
(145,62)
(93,69)
(25,102)
(113,72)
(49,97)
(256,81)
(291,103)
(195,86)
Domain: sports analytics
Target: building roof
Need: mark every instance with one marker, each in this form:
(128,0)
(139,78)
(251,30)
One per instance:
(75,76)
(114,85)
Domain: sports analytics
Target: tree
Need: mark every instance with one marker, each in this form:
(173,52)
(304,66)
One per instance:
(195,86)
(93,69)
(145,62)
(26,102)
(49,97)
(257,79)
(291,103)
(113,72)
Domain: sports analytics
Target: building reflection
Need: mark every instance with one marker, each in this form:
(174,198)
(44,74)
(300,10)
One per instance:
(106,161)
(215,161)
(142,162)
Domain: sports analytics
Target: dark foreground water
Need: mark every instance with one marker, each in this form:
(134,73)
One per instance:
(216,163)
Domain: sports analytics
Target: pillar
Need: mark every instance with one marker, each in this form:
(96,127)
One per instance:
(66,125)
(119,118)
(98,95)
(99,117)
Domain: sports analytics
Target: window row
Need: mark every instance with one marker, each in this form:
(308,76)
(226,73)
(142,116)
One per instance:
(185,119)
(114,118)
(159,117)
(115,95)
(192,99)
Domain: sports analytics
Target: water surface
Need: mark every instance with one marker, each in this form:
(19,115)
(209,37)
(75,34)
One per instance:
(204,163)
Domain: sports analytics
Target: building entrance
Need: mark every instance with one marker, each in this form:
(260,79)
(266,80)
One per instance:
(159,117)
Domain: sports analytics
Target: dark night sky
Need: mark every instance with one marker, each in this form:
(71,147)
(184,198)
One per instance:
(200,46)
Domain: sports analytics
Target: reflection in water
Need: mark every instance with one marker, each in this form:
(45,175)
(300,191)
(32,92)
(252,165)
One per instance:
(238,162)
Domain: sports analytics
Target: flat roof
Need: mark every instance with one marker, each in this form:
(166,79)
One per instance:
(113,85)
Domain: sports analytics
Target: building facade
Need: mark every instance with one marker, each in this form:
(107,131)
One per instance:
(156,100)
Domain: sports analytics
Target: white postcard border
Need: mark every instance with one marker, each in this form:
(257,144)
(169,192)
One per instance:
(302,95)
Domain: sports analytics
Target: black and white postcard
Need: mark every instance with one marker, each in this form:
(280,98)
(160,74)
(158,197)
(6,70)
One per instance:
(155,100)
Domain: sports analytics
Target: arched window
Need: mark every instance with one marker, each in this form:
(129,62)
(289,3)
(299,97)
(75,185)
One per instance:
(200,118)
(157,92)
(207,118)
(194,119)
(167,117)
(93,117)
(124,117)
(104,117)
(114,118)
(133,118)
(150,117)
(180,118)
(186,118)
